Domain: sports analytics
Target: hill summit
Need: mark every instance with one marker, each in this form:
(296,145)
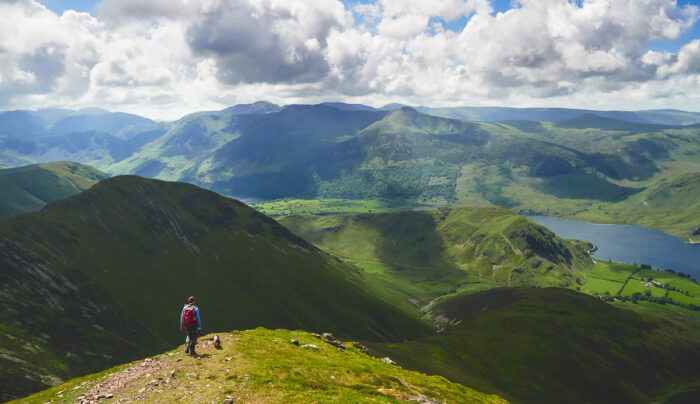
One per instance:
(264,366)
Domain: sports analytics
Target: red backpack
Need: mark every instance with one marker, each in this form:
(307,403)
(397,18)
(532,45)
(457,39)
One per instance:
(189,317)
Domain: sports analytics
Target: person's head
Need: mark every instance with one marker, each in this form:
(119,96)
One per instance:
(190,300)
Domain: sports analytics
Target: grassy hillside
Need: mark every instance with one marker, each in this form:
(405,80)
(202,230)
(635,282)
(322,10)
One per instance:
(264,366)
(428,254)
(31,187)
(99,278)
(556,345)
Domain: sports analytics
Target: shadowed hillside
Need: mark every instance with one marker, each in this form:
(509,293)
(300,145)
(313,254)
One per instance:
(555,345)
(99,278)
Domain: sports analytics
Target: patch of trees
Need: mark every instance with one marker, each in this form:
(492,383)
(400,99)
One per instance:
(646,296)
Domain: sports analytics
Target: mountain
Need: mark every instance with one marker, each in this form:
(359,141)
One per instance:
(25,124)
(263,365)
(21,124)
(494,114)
(671,202)
(111,122)
(350,107)
(589,167)
(98,279)
(263,155)
(434,253)
(31,187)
(256,108)
(534,345)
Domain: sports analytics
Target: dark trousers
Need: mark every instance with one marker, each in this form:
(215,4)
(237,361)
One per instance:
(191,339)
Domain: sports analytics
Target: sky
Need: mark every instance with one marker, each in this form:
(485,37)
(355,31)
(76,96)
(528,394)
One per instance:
(166,58)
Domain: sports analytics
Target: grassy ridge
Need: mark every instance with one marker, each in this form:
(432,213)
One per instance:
(31,187)
(428,254)
(262,365)
(556,345)
(115,263)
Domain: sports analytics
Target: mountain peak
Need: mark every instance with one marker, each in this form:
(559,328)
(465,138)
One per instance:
(403,113)
(256,108)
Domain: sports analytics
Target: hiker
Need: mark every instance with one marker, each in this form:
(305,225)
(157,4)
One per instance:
(193,325)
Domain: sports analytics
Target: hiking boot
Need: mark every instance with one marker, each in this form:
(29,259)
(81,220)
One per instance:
(193,353)
(187,350)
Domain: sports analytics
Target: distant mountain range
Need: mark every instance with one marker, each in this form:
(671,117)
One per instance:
(575,163)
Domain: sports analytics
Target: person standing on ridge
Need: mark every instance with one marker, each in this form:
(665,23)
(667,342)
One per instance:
(193,324)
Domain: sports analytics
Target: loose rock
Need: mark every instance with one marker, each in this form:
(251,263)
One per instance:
(295,341)
(310,346)
(388,361)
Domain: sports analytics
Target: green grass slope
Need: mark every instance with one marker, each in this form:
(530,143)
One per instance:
(432,253)
(31,187)
(99,278)
(264,366)
(555,345)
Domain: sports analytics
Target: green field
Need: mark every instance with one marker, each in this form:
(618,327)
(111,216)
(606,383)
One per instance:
(637,286)
(283,207)
(608,279)
(602,286)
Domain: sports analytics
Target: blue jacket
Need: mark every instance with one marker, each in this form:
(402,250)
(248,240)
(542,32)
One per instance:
(196,311)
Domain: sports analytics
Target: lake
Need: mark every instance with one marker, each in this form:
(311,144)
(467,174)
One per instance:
(630,244)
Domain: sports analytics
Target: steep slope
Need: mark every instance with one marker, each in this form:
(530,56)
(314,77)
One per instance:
(429,254)
(262,155)
(556,345)
(98,278)
(671,204)
(31,187)
(264,366)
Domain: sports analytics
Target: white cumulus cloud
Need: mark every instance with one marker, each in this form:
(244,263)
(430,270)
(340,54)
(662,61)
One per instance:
(169,57)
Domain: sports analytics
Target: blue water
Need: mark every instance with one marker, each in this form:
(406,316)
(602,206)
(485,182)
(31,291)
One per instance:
(630,244)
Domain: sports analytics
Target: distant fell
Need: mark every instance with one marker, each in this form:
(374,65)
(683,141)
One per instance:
(599,122)
(256,108)
(31,187)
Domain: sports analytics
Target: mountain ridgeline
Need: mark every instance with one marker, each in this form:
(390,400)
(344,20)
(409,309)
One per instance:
(590,165)
(99,278)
